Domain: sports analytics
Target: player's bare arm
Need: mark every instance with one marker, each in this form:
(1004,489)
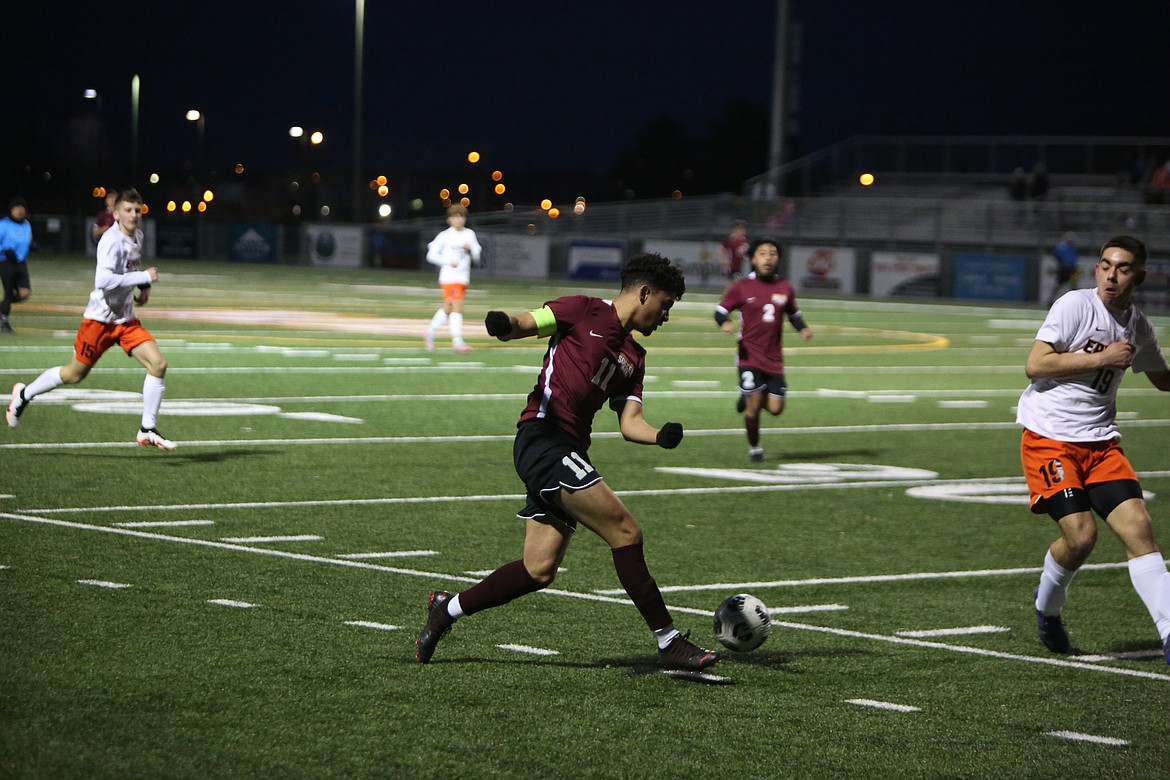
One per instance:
(635,428)
(1045,362)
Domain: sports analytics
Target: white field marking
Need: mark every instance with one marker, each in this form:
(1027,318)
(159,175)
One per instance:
(321,417)
(7,495)
(368,624)
(707,677)
(1032,659)
(1031,325)
(514,496)
(356,356)
(937,575)
(962,404)
(883,705)
(890,399)
(267,539)
(804,609)
(529,650)
(164,523)
(1079,737)
(105,584)
(232,603)
(394,554)
(1136,654)
(573,594)
(956,631)
(704,383)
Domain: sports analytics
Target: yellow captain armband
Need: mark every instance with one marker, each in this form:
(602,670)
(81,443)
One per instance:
(546,322)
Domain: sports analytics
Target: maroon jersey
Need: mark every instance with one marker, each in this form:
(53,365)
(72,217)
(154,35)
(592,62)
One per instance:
(735,251)
(590,360)
(763,307)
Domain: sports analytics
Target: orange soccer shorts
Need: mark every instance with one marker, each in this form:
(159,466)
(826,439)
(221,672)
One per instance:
(94,338)
(1051,466)
(453,292)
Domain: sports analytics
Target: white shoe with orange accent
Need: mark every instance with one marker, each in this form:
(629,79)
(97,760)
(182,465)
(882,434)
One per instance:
(16,405)
(152,438)
(429,340)
(462,349)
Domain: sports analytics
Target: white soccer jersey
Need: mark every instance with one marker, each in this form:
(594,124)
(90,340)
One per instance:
(1083,408)
(117,276)
(447,251)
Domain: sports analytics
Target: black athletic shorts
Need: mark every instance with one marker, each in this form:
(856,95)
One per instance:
(549,460)
(753,380)
(14,276)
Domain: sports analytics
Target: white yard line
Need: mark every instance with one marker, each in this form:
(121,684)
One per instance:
(1048,661)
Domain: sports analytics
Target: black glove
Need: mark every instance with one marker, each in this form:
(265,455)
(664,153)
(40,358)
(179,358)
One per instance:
(497,323)
(9,255)
(669,436)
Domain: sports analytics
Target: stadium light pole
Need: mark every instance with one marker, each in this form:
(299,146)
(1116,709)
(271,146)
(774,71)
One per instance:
(200,120)
(135,87)
(359,14)
(779,86)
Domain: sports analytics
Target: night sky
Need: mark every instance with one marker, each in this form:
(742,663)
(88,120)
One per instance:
(566,85)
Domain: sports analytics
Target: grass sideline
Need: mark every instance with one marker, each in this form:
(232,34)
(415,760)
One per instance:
(350,472)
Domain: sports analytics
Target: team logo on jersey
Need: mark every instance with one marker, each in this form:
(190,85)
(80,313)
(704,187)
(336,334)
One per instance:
(1092,346)
(779,299)
(625,365)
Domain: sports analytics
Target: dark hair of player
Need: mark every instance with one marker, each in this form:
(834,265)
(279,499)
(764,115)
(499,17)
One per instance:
(129,196)
(655,270)
(1129,244)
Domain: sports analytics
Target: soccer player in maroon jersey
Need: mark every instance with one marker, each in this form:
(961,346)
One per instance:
(761,298)
(592,359)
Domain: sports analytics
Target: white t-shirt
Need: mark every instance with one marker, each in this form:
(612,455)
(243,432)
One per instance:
(117,276)
(447,251)
(1083,408)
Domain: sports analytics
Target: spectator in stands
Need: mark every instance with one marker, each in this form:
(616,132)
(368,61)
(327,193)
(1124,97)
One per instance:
(1018,186)
(1038,182)
(1065,253)
(1158,187)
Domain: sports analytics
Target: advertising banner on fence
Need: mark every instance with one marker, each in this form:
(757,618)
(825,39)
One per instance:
(334,245)
(904,273)
(991,277)
(598,259)
(254,243)
(701,261)
(516,257)
(822,269)
(1049,266)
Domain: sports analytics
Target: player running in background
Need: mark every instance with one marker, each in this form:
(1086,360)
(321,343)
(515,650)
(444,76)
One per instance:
(15,243)
(110,319)
(592,359)
(763,300)
(453,250)
(1070,452)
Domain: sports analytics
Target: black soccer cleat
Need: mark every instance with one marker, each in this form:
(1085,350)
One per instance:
(437,625)
(683,654)
(1053,633)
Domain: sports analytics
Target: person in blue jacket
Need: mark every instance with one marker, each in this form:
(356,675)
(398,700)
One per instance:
(15,242)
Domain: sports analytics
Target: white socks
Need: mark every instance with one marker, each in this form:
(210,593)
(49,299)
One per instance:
(438,321)
(152,395)
(49,380)
(1053,590)
(457,328)
(664,636)
(1151,580)
(454,608)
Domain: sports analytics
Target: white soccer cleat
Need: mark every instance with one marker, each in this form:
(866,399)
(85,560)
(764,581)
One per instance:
(153,438)
(462,349)
(16,405)
(429,340)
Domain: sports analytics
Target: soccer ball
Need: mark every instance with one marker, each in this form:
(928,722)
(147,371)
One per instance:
(742,622)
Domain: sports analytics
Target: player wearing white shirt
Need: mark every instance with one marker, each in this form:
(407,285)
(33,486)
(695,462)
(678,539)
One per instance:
(110,319)
(1070,449)
(453,250)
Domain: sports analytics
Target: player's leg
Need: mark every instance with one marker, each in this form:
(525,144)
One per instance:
(456,317)
(1130,521)
(752,389)
(775,400)
(69,374)
(600,510)
(8,273)
(153,388)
